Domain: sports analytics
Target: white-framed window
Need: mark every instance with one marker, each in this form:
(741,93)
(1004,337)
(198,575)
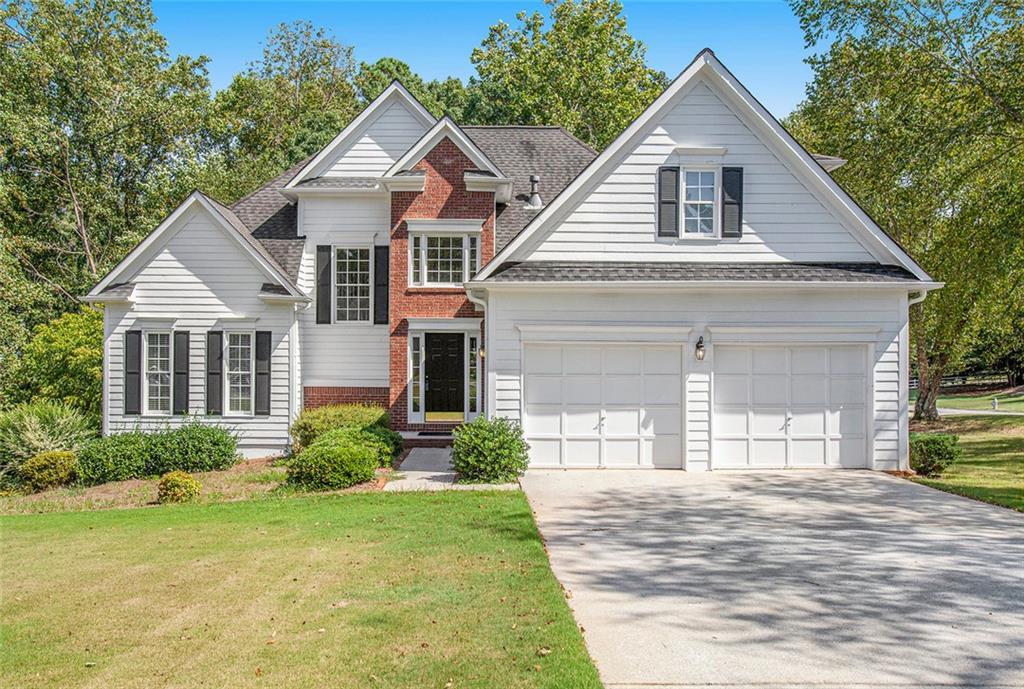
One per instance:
(416,363)
(700,194)
(238,368)
(472,375)
(353,284)
(445,260)
(157,390)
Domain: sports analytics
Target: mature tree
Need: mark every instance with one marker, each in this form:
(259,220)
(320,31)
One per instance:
(283,108)
(448,96)
(93,112)
(583,71)
(925,99)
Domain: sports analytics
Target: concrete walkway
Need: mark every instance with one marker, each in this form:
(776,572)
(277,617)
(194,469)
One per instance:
(430,468)
(796,579)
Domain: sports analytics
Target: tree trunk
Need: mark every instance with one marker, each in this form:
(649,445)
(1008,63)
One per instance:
(929,376)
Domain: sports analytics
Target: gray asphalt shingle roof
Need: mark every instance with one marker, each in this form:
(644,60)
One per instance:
(556,271)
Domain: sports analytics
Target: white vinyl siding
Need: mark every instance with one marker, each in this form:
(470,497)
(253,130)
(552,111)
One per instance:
(355,355)
(782,219)
(776,309)
(202,280)
(379,145)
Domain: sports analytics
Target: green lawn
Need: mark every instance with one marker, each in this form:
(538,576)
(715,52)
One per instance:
(992,468)
(1009,400)
(449,589)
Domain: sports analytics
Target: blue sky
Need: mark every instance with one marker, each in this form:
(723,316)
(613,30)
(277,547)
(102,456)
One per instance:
(759,40)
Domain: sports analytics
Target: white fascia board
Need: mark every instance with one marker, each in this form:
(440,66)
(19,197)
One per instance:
(501,186)
(300,192)
(405,183)
(800,158)
(444,324)
(445,127)
(598,165)
(699,285)
(701,150)
(271,297)
(393,92)
(454,225)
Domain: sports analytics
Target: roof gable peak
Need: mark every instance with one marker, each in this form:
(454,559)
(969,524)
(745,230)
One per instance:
(444,128)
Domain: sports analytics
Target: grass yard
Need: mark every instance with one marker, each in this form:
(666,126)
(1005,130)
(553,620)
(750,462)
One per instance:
(1011,399)
(449,589)
(992,468)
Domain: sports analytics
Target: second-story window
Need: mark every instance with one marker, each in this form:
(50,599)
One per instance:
(699,191)
(444,259)
(352,285)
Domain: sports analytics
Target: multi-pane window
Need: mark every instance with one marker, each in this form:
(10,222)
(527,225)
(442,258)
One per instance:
(444,259)
(417,372)
(699,202)
(158,373)
(352,285)
(473,374)
(239,372)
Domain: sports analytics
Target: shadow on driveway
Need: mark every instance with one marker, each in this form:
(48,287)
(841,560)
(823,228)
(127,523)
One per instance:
(823,578)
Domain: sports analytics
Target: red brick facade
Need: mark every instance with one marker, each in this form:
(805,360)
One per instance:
(319,396)
(444,196)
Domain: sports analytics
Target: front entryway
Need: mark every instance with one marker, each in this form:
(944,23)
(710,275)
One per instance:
(444,379)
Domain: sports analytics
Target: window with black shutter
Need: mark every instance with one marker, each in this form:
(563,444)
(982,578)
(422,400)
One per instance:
(668,201)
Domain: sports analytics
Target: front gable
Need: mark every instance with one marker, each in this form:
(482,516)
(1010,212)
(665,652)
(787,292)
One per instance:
(792,210)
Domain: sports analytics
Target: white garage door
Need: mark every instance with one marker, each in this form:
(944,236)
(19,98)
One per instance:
(789,406)
(603,405)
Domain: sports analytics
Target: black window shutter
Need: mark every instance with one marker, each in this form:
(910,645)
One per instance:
(380,284)
(133,372)
(262,373)
(668,201)
(214,372)
(323,284)
(181,356)
(732,202)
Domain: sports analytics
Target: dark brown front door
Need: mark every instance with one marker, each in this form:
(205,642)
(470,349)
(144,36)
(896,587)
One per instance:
(444,372)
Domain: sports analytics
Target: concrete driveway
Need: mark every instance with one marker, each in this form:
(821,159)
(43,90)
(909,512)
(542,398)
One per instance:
(788,579)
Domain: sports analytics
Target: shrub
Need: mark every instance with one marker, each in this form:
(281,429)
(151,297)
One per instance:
(36,427)
(116,457)
(312,423)
(489,451)
(193,446)
(50,470)
(177,486)
(337,462)
(385,443)
(933,453)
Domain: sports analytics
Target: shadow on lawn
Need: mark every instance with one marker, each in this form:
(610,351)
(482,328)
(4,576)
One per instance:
(884,582)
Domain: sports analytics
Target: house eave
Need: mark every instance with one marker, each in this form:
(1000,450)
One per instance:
(700,285)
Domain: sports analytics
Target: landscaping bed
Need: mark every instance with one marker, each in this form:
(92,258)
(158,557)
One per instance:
(992,466)
(446,589)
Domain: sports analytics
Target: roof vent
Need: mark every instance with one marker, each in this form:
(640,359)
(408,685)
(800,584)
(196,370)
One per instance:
(535,200)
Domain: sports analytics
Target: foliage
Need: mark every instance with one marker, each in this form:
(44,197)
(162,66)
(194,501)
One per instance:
(334,463)
(50,470)
(583,71)
(32,428)
(449,96)
(386,443)
(933,453)
(489,451)
(64,362)
(312,423)
(178,486)
(193,446)
(926,101)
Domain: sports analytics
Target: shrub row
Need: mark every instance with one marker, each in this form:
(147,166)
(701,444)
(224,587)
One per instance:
(312,423)
(191,447)
(933,453)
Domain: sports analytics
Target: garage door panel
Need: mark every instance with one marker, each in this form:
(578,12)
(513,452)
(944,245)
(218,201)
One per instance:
(731,421)
(621,452)
(544,360)
(809,360)
(662,361)
(543,419)
(622,390)
(661,421)
(582,390)
(541,389)
(584,360)
(847,360)
(847,390)
(622,422)
(732,360)
(731,453)
(804,389)
(664,451)
(769,359)
(622,360)
(847,419)
(768,452)
(585,421)
(848,452)
(546,451)
(731,389)
(769,389)
(768,421)
(808,422)
(580,452)
(663,389)
(807,453)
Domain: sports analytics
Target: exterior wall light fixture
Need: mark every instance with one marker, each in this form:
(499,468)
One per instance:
(699,351)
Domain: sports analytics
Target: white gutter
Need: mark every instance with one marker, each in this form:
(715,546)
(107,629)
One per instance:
(657,285)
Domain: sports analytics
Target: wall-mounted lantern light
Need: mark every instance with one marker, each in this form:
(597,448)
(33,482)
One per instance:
(699,351)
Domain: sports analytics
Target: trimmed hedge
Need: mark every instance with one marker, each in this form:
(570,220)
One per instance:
(489,451)
(333,463)
(50,470)
(933,453)
(385,443)
(178,486)
(33,428)
(135,454)
(312,423)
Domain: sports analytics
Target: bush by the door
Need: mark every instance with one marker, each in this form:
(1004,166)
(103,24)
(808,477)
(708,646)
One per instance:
(178,486)
(933,453)
(312,423)
(50,470)
(333,463)
(385,443)
(489,451)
